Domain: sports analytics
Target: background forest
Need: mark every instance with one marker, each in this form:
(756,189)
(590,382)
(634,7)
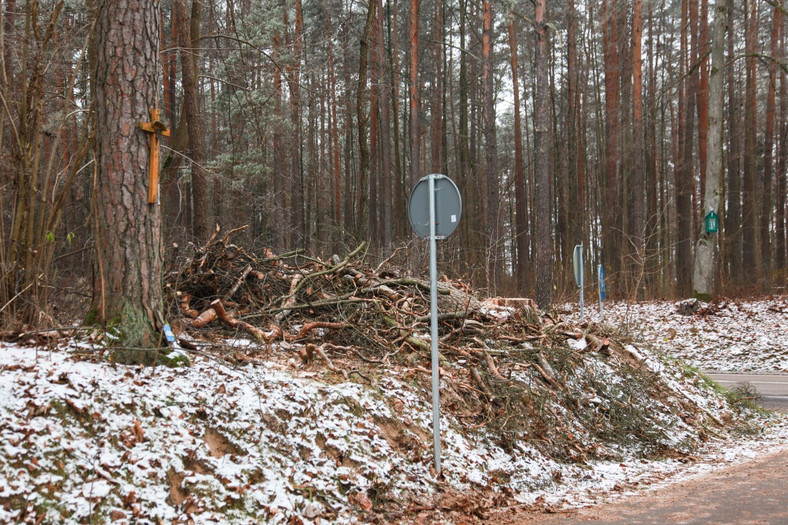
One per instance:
(561,122)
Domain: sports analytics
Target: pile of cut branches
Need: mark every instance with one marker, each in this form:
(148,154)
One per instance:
(574,392)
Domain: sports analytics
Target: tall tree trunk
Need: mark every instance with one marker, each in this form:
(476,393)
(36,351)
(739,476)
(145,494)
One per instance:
(436,99)
(703,98)
(768,150)
(188,42)
(733,218)
(298,213)
(334,156)
(129,245)
(543,243)
(415,104)
(387,224)
(704,271)
(685,169)
(280,195)
(611,208)
(638,172)
(750,196)
(782,158)
(362,117)
(576,157)
(521,224)
(491,149)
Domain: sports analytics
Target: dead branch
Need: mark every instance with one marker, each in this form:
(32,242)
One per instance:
(236,323)
(491,366)
(318,324)
(239,281)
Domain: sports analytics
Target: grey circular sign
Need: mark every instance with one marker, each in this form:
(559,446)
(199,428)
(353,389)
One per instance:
(448,206)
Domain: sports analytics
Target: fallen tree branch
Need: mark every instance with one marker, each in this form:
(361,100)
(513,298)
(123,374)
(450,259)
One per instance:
(318,324)
(236,323)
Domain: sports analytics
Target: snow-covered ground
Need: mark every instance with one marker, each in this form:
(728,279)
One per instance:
(85,441)
(723,336)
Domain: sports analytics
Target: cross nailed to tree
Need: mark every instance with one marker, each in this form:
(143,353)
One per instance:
(155,127)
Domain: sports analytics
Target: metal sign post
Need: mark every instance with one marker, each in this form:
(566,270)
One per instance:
(577,263)
(438,220)
(601,293)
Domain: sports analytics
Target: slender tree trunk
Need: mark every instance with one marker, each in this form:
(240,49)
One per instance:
(491,149)
(415,105)
(685,169)
(733,218)
(362,117)
(436,102)
(128,229)
(188,41)
(703,98)
(611,208)
(704,271)
(335,156)
(638,169)
(782,158)
(521,224)
(543,243)
(750,197)
(297,187)
(387,224)
(768,147)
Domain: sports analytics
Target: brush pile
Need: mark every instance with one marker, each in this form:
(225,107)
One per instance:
(574,392)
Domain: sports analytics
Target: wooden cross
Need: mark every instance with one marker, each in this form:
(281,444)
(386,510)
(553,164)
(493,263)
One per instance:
(155,127)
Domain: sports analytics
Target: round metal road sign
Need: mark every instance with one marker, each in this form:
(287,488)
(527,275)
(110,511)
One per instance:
(448,206)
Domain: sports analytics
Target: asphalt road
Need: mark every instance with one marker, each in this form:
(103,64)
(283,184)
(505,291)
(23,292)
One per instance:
(773,387)
(749,493)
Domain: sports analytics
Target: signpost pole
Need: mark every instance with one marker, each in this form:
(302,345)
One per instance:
(434,329)
(434,209)
(577,266)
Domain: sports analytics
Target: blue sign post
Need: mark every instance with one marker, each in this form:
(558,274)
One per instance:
(601,293)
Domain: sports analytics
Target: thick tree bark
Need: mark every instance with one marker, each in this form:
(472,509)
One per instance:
(705,251)
(128,229)
(543,244)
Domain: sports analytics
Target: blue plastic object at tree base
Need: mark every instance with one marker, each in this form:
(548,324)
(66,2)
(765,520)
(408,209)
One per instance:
(168,334)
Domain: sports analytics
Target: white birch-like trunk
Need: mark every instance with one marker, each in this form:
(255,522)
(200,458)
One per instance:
(706,249)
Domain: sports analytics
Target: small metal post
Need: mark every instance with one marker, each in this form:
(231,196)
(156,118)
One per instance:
(434,329)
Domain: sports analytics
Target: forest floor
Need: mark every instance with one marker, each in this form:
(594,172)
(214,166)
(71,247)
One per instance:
(329,421)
